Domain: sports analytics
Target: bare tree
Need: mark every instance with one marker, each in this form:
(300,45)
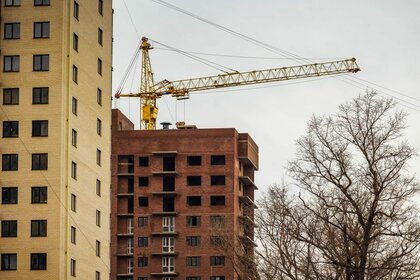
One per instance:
(354,217)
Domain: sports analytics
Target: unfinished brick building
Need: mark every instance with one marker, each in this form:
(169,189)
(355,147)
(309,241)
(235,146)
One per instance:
(172,192)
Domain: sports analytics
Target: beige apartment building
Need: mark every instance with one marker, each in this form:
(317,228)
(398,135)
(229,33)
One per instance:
(55,113)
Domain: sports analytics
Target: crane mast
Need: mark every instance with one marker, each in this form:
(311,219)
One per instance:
(149,91)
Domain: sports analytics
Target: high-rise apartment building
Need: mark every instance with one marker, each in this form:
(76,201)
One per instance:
(177,194)
(55,87)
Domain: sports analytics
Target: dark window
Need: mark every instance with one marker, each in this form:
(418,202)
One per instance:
(98,157)
(217,260)
(73,235)
(193,221)
(168,204)
(130,205)
(74,170)
(72,267)
(11,63)
(217,180)
(39,261)
(42,2)
(75,74)
(193,278)
(74,106)
(194,160)
(100,36)
(38,228)
(97,275)
(10,96)
(40,95)
(11,30)
(143,221)
(216,241)
(99,66)
(143,161)
(100,7)
(217,160)
(73,202)
(8,261)
(142,278)
(143,241)
(99,96)
(9,195)
(76,10)
(10,162)
(11,3)
(39,128)
(143,181)
(41,62)
(41,30)
(169,163)
(193,241)
(98,218)
(194,180)
(143,261)
(98,248)
(217,221)
(10,129)
(39,161)
(98,126)
(168,183)
(98,187)
(74,137)
(143,201)
(75,42)
(193,261)
(217,200)
(8,228)
(193,200)
(217,277)
(39,195)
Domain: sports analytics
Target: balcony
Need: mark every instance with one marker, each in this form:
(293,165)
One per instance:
(166,193)
(165,233)
(160,254)
(165,213)
(247,151)
(165,173)
(126,234)
(247,240)
(167,274)
(247,221)
(248,201)
(165,153)
(246,181)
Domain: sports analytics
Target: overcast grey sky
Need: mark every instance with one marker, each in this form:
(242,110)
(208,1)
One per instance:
(382,35)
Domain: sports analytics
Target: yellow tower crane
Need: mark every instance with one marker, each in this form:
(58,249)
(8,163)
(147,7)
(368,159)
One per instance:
(149,91)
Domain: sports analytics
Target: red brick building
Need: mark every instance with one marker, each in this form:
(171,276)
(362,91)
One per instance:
(172,189)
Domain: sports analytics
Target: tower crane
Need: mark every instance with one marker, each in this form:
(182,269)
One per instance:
(180,89)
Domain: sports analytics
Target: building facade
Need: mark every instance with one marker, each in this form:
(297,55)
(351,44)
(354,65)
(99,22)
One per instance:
(176,195)
(55,114)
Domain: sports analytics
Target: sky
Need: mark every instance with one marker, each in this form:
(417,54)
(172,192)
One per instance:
(382,35)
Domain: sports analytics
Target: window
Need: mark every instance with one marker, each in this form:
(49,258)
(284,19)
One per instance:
(98,126)
(99,66)
(168,183)
(194,160)
(10,162)
(143,261)
(97,275)
(143,181)
(193,221)
(193,241)
(193,261)
(168,203)
(8,261)
(99,96)
(73,170)
(41,30)
(130,266)
(9,195)
(39,161)
(98,157)
(38,228)
(168,264)
(143,221)
(193,278)
(76,10)
(73,199)
(41,62)
(168,224)
(216,241)
(194,180)
(11,3)
(39,128)
(74,106)
(217,200)
(73,235)
(100,7)
(100,36)
(194,200)
(11,63)
(10,96)
(74,137)
(168,244)
(143,161)
(98,187)
(217,260)
(75,42)
(12,30)
(39,261)
(142,278)
(72,267)
(217,180)
(98,248)
(10,129)
(8,228)
(75,74)
(217,277)
(39,195)
(40,95)
(143,241)
(217,221)
(42,2)
(168,163)
(98,218)
(218,160)
(143,201)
